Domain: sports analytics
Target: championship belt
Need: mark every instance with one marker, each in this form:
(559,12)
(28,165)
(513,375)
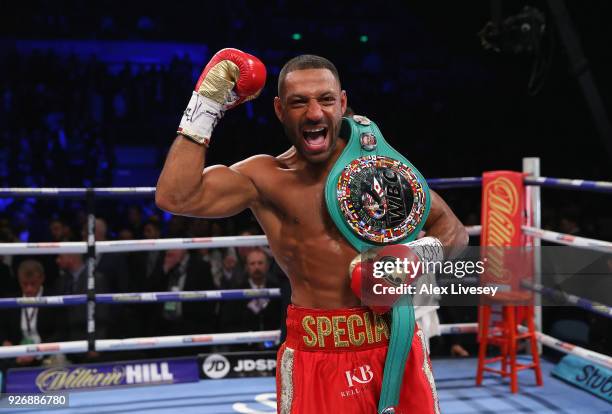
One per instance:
(376,197)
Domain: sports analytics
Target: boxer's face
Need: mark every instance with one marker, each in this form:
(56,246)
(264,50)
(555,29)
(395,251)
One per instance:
(310,109)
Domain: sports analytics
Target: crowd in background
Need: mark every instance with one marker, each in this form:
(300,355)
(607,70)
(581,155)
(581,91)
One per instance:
(153,271)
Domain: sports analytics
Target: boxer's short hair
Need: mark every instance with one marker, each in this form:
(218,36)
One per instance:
(306,62)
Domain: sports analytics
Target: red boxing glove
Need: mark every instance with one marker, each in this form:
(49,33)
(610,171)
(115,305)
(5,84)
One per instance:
(380,276)
(232,70)
(229,79)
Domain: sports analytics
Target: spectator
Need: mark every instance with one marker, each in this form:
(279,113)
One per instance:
(7,236)
(32,325)
(8,284)
(177,226)
(112,269)
(143,266)
(59,231)
(134,221)
(256,314)
(73,281)
(182,271)
(214,258)
(243,251)
(232,276)
(125,234)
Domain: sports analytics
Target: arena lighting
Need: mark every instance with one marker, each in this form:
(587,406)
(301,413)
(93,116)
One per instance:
(363,38)
(296,36)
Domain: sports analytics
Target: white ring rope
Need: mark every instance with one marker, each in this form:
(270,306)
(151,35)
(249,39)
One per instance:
(474,230)
(568,239)
(249,337)
(43,248)
(117,246)
(547,340)
(568,348)
(174,341)
(458,328)
(68,191)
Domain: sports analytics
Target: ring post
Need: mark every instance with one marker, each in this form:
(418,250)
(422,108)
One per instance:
(91,267)
(531,166)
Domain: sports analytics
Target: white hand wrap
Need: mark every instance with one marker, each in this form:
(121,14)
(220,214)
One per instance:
(200,118)
(429,249)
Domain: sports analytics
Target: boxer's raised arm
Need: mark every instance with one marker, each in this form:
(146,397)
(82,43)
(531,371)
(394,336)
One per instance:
(230,78)
(185,188)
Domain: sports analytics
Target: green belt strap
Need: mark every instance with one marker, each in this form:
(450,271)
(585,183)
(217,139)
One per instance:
(402,330)
(403,320)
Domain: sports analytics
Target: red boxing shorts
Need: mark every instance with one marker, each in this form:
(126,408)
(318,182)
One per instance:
(332,362)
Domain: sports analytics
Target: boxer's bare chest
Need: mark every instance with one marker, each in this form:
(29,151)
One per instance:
(294,216)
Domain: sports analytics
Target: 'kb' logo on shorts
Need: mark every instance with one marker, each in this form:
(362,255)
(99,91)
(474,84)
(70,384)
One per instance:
(361,375)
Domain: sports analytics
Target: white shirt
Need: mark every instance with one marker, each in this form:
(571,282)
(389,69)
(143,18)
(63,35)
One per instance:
(257,305)
(29,320)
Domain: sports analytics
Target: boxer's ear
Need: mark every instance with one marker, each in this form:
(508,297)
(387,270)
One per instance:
(343,101)
(278,108)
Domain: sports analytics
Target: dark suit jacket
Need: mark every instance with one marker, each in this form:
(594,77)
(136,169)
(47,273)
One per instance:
(113,268)
(196,317)
(137,317)
(236,316)
(9,288)
(137,263)
(76,317)
(49,324)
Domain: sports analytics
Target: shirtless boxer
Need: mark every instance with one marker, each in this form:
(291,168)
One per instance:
(333,358)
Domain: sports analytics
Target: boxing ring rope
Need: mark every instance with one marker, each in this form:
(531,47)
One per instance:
(567,183)
(64,192)
(474,230)
(568,348)
(568,239)
(554,343)
(435,183)
(91,247)
(458,182)
(110,192)
(106,345)
(145,297)
(119,246)
(560,296)
(174,341)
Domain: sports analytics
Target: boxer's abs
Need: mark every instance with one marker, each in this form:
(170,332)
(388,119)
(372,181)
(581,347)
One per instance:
(304,239)
(316,258)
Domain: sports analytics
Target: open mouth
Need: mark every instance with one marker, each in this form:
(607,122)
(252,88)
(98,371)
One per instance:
(315,138)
